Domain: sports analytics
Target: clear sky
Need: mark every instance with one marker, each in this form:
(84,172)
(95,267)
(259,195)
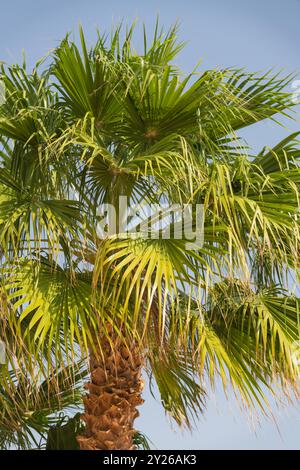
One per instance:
(257,35)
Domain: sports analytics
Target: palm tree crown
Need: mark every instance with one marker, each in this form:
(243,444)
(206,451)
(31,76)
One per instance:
(94,125)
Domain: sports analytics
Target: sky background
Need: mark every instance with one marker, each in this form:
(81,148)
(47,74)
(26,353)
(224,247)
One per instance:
(257,35)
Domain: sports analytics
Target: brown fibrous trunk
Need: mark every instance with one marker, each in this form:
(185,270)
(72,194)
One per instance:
(114,392)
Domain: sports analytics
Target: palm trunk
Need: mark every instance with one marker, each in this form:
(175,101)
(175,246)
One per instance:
(113,395)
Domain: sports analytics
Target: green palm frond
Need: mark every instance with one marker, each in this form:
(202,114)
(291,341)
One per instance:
(141,441)
(254,97)
(283,156)
(181,394)
(49,303)
(108,121)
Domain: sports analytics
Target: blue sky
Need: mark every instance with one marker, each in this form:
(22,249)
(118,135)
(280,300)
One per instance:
(257,35)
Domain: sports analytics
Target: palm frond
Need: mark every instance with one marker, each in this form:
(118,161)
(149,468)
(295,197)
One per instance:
(29,409)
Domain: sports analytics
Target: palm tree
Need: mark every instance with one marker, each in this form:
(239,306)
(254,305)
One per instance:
(90,126)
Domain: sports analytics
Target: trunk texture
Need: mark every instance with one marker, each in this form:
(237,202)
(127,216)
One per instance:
(113,395)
